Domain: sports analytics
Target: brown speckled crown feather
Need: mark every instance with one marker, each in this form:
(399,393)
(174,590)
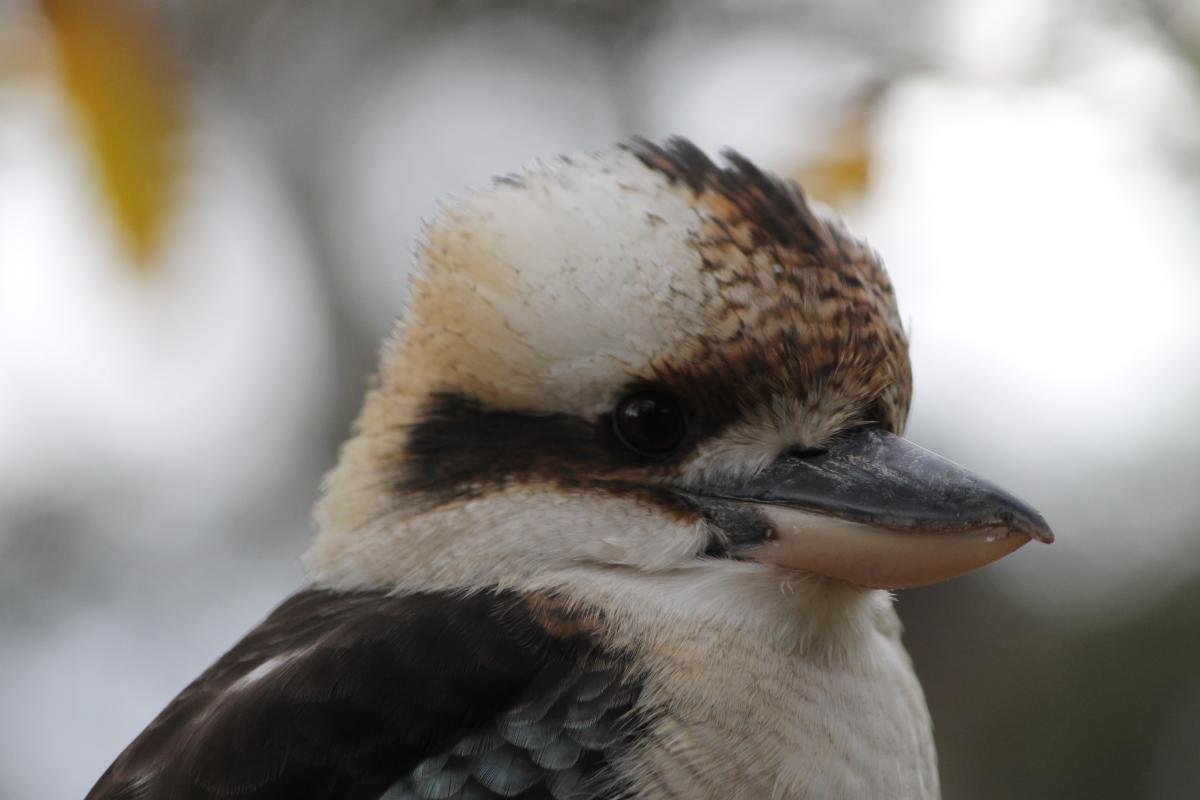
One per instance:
(805,309)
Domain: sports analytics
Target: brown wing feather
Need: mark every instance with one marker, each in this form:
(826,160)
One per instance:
(337,695)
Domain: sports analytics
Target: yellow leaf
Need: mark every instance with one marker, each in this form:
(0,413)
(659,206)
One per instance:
(838,179)
(838,170)
(127,93)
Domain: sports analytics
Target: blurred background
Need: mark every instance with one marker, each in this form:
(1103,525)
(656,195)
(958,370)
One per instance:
(207,210)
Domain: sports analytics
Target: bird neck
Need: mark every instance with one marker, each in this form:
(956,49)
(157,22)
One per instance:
(721,602)
(765,684)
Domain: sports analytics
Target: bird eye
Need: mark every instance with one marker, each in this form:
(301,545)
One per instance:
(650,423)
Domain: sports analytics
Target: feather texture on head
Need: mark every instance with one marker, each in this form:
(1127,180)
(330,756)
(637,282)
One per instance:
(555,292)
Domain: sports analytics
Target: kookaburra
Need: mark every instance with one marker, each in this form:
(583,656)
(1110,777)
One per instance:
(618,520)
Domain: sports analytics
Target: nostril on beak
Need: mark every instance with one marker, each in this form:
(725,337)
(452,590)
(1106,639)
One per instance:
(805,451)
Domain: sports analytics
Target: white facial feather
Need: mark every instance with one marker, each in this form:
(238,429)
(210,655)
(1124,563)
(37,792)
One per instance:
(547,294)
(511,539)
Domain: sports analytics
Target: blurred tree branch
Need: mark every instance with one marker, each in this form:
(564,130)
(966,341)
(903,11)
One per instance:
(1181,31)
(1178,24)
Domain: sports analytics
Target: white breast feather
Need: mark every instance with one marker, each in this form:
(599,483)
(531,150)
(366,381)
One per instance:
(777,686)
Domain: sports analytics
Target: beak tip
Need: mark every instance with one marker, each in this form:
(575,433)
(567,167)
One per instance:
(1037,528)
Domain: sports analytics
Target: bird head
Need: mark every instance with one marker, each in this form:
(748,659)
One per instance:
(644,361)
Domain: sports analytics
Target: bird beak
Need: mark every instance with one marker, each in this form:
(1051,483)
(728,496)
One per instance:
(875,510)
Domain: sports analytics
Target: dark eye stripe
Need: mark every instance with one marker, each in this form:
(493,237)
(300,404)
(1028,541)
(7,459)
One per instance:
(462,449)
(460,445)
